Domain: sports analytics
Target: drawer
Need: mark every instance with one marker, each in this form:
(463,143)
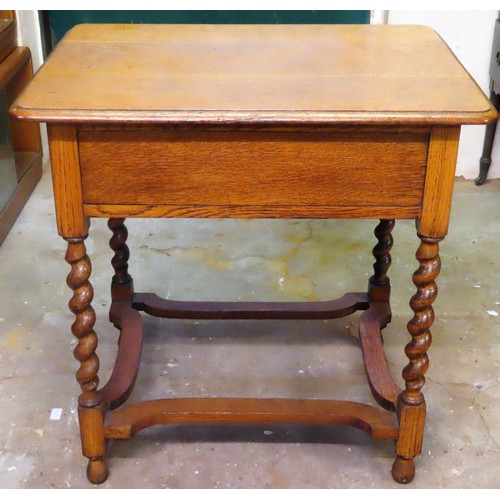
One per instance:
(253,169)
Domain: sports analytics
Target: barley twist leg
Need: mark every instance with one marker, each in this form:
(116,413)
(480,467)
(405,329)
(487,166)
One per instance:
(411,403)
(379,284)
(90,409)
(122,284)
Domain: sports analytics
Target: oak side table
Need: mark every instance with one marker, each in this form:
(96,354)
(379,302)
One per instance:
(252,122)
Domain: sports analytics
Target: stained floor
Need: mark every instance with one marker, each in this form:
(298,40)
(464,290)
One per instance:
(251,260)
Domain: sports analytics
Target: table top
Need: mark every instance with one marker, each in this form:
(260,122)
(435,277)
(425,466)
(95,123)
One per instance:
(273,74)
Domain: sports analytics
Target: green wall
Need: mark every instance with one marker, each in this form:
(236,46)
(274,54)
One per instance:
(60,21)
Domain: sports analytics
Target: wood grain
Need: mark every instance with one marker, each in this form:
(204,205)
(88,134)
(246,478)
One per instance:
(253,121)
(278,169)
(124,423)
(383,388)
(423,318)
(15,72)
(90,408)
(326,309)
(93,442)
(25,136)
(13,63)
(65,166)
(82,328)
(124,374)
(411,407)
(379,284)
(439,182)
(412,426)
(122,284)
(8,35)
(254,73)
(252,212)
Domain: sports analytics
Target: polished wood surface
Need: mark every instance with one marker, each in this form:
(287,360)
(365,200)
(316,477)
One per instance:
(411,407)
(254,73)
(214,169)
(327,309)
(25,141)
(124,423)
(66,181)
(253,121)
(252,212)
(90,407)
(439,181)
(13,63)
(83,326)
(25,136)
(371,322)
(379,285)
(8,37)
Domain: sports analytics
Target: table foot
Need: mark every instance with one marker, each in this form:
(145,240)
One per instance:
(403,470)
(484,166)
(97,470)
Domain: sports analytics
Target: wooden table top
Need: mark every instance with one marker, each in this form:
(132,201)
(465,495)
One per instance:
(275,74)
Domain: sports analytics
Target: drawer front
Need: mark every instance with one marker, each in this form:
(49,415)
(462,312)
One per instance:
(253,169)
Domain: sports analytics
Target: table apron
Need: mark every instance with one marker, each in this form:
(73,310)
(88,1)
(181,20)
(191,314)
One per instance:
(155,173)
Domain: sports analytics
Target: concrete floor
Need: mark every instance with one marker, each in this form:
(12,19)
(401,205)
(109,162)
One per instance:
(251,260)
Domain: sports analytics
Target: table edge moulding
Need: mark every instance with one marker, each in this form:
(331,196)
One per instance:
(253,121)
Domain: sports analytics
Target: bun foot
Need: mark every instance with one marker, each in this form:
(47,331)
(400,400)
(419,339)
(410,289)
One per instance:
(403,470)
(97,470)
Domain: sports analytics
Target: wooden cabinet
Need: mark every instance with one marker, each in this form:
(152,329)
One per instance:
(20,143)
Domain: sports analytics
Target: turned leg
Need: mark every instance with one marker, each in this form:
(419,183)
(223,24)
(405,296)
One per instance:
(90,407)
(373,320)
(122,284)
(489,137)
(379,287)
(411,402)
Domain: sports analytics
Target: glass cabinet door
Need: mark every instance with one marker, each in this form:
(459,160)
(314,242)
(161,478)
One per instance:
(8,175)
